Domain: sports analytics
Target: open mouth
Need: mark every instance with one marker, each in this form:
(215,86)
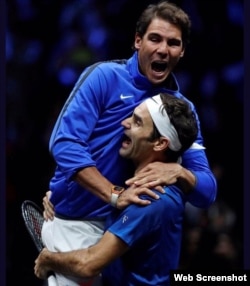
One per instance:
(159,66)
(125,140)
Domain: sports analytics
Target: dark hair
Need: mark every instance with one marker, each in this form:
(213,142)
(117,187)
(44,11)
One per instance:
(168,12)
(183,119)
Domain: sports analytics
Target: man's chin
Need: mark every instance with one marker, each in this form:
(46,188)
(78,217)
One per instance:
(156,79)
(123,153)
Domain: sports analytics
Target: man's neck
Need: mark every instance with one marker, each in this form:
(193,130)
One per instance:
(141,165)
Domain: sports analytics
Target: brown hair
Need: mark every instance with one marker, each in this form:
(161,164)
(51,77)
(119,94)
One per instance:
(168,12)
(183,119)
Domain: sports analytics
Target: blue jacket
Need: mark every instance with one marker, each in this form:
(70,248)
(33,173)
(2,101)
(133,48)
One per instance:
(88,133)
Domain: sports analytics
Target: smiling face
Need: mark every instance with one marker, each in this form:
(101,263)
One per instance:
(138,144)
(138,129)
(159,50)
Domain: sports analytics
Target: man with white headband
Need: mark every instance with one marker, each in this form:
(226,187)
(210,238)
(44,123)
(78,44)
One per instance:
(141,244)
(162,122)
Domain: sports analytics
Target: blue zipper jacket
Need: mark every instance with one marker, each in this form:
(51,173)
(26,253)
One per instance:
(88,133)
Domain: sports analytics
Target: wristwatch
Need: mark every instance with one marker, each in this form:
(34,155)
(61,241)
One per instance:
(115,193)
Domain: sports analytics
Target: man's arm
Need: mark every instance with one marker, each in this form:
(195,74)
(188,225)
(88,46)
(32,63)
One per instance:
(91,179)
(70,139)
(193,176)
(84,263)
(158,173)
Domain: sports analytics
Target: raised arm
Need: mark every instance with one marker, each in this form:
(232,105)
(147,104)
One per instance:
(199,184)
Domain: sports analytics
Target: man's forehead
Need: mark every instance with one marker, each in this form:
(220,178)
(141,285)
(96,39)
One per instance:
(142,107)
(163,27)
(142,111)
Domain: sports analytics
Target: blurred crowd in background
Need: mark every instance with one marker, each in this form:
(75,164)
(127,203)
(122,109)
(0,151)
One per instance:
(49,43)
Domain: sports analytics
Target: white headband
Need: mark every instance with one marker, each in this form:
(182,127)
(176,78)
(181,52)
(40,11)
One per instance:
(162,122)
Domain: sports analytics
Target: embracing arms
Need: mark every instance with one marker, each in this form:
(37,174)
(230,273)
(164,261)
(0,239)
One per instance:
(83,263)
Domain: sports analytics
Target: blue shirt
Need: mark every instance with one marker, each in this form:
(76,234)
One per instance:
(153,234)
(88,133)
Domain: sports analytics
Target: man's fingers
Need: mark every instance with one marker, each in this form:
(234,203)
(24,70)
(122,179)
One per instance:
(160,189)
(48,212)
(149,183)
(130,181)
(142,202)
(47,215)
(145,191)
(137,181)
(48,194)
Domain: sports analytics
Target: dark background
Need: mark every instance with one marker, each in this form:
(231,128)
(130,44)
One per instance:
(48,44)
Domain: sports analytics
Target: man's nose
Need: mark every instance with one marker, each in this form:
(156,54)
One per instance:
(126,123)
(163,48)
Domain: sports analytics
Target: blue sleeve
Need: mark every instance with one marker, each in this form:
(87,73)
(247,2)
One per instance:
(205,190)
(69,140)
(137,222)
(134,222)
(195,160)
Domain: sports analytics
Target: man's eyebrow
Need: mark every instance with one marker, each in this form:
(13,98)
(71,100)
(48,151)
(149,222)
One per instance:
(153,34)
(137,117)
(175,40)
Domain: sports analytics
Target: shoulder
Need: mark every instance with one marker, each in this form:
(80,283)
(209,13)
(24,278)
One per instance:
(102,70)
(110,64)
(106,68)
(173,196)
(172,200)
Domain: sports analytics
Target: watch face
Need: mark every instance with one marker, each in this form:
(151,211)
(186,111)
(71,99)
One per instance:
(117,189)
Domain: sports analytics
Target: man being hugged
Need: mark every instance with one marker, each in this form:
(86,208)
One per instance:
(141,244)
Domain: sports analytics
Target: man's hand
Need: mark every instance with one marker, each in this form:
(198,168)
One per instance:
(40,269)
(155,174)
(48,212)
(131,195)
(158,174)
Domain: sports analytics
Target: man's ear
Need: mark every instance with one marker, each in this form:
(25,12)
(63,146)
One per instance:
(161,144)
(182,53)
(137,43)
